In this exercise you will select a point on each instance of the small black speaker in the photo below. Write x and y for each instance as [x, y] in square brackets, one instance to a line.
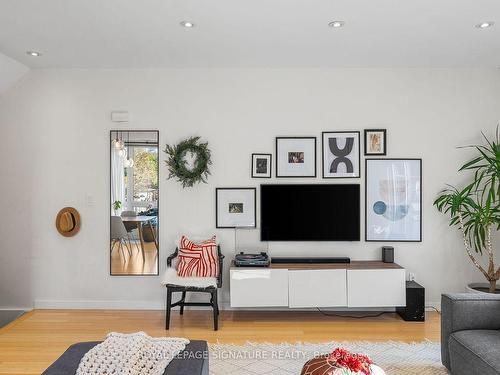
[387, 254]
[415, 303]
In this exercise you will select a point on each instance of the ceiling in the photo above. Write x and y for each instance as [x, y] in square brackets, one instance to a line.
[251, 33]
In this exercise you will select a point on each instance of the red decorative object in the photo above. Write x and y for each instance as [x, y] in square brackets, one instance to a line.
[198, 260]
[358, 363]
[340, 362]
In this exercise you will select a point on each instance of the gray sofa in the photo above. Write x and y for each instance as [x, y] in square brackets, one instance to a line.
[470, 333]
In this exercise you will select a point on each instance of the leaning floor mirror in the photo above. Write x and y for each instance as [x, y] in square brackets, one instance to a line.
[134, 205]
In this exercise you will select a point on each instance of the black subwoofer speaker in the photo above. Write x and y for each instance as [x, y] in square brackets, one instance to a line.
[415, 303]
[387, 254]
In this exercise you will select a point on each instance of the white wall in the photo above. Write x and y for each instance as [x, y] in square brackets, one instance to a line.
[54, 151]
[10, 71]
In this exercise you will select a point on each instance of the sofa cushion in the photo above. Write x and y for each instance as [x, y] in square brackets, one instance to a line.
[475, 352]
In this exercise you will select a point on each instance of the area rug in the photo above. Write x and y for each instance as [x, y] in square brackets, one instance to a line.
[396, 358]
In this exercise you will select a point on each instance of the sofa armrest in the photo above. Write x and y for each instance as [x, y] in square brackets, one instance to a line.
[465, 311]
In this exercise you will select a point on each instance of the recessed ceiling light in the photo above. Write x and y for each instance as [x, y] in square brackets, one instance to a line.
[336, 24]
[33, 53]
[484, 25]
[187, 24]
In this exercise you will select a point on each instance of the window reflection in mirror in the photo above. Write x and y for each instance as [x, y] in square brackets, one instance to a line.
[134, 221]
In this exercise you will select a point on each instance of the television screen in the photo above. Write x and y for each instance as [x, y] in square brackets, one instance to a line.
[320, 212]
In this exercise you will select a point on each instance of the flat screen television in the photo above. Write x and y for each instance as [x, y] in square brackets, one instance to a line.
[306, 212]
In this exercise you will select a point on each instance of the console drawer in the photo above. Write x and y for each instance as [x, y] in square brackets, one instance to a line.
[317, 288]
[376, 288]
[258, 287]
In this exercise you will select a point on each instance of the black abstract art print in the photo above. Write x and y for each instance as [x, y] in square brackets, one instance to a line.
[341, 154]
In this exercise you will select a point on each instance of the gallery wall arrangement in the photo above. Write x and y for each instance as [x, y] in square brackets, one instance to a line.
[393, 187]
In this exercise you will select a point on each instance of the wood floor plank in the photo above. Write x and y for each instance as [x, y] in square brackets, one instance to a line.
[32, 342]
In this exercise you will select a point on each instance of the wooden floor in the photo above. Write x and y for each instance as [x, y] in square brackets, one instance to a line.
[133, 264]
[32, 342]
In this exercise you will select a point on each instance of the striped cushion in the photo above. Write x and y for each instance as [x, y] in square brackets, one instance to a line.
[198, 260]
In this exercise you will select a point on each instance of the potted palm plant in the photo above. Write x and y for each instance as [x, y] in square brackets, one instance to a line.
[475, 209]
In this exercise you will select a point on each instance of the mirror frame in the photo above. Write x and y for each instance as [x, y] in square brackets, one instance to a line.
[111, 132]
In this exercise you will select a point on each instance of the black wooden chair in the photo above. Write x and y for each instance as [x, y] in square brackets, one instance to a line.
[171, 288]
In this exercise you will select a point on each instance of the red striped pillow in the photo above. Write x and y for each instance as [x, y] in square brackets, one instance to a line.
[198, 260]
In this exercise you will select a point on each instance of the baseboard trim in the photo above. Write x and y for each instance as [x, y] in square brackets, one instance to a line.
[99, 304]
[25, 309]
[160, 305]
[430, 306]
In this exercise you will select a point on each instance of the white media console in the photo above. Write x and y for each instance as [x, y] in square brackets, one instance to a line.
[357, 284]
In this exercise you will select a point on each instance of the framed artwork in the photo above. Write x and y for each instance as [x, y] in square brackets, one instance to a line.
[261, 165]
[375, 142]
[235, 207]
[393, 200]
[295, 156]
[341, 154]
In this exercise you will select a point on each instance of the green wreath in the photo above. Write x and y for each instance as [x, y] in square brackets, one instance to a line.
[177, 163]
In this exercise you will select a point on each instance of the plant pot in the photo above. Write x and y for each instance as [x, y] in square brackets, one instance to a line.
[481, 288]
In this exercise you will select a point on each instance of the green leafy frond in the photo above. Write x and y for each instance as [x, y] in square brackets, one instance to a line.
[478, 203]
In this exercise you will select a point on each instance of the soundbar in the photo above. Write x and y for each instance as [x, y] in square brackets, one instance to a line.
[311, 260]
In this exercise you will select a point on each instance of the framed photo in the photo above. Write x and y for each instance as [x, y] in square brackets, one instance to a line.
[235, 207]
[375, 142]
[341, 154]
[393, 200]
[261, 165]
[295, 156]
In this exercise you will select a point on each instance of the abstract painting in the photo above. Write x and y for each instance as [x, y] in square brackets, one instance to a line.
[393, 210]
[341, 155]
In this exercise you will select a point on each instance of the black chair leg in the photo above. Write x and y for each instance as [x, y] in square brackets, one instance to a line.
[182, 302]
[168, 308]
[216, 310]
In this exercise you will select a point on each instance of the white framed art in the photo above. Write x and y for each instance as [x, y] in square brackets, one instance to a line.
[393, 200]
[261, 165]
[341, 154]
[235, 207]
[375, 142]
[295, 156]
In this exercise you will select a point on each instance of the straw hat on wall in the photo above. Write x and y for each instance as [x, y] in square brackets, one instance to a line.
[68, 222]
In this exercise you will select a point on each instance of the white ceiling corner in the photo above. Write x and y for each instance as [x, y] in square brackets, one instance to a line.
[10, 72]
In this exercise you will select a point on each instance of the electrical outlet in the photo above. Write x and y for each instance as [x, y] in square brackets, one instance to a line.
[412, 276]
